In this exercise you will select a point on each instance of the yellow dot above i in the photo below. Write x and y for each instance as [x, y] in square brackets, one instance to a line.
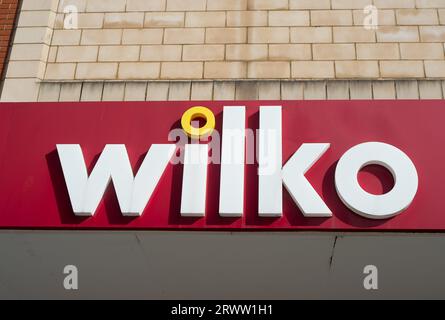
[195, 113]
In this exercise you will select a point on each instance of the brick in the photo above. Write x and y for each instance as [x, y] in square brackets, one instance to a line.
[202, 91]
[119, 53]
[422, 51]
[91, 20]
[60, 71]
[246, 90]
[106, 5]
[135, 91]
[226, 5]
[157, 91]
[331, 18]
[356, 69]
[205, 19]
[46, 51]
[385, 17]
[226, 35]
[384, 4]
[350, 4]
[224, 90]
[142, 36]
[43, 35]
[184, 36]
[313, 69]
[291, 90]
[25, 69]
[164, 19]
[186, 5]
[309, 4]
[33, 19]
[66, 37]
[401, 69]
[407, 89]
[432, 33]
[269, 35]
[182, 70]
[288, 18]
[139, 71]
[161, 53]
[101, 37]
[384, 90]
[378, 51]
[247, 18]
[49, 92]
[26, 52]
[70, 92]
[360, 90]
[314, 90]
[430, 4]
[143, 5]
[20, 90]
[77, 54]
[59, 22]
[311, 35]
[124, 20]
[96, 71]
[353, 34]
[51, 18]
[267, 4]
[397, 34]
[269, 70]
[417, 17]
[246, 52]
[79, 4]
[203, 53]
[30, 5]
[435, 69]
[179, 91]
[290, 52]
[442, 16]
[269, 90]
[333, 51]
[92, 92]
[338, 90]
[430, 90]
[113, 91]
[225, 70]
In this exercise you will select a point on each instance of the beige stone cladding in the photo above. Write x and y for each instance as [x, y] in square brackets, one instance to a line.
[200, 40]
[206, 90]
[246, 39]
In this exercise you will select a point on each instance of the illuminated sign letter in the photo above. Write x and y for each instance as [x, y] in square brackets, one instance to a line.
[133, 193]
[231, 197]
[272, 175]
[376, 206]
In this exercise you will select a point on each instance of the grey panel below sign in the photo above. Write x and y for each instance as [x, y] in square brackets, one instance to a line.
[211, 265]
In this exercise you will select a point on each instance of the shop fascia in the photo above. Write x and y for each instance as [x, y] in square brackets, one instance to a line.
[134, 191]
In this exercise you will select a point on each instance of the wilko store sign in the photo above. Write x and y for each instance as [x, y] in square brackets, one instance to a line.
[332, 165]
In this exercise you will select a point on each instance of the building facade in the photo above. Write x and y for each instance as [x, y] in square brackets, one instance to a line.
[203, 50]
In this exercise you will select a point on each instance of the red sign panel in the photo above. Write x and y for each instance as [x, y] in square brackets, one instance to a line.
[34, 193]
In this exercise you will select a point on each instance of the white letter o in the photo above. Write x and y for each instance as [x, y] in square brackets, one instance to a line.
[371, 206]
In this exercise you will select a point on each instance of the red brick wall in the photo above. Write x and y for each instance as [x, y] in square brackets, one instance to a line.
[8, 12]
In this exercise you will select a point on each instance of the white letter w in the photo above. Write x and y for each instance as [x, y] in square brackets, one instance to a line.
[133, 193]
